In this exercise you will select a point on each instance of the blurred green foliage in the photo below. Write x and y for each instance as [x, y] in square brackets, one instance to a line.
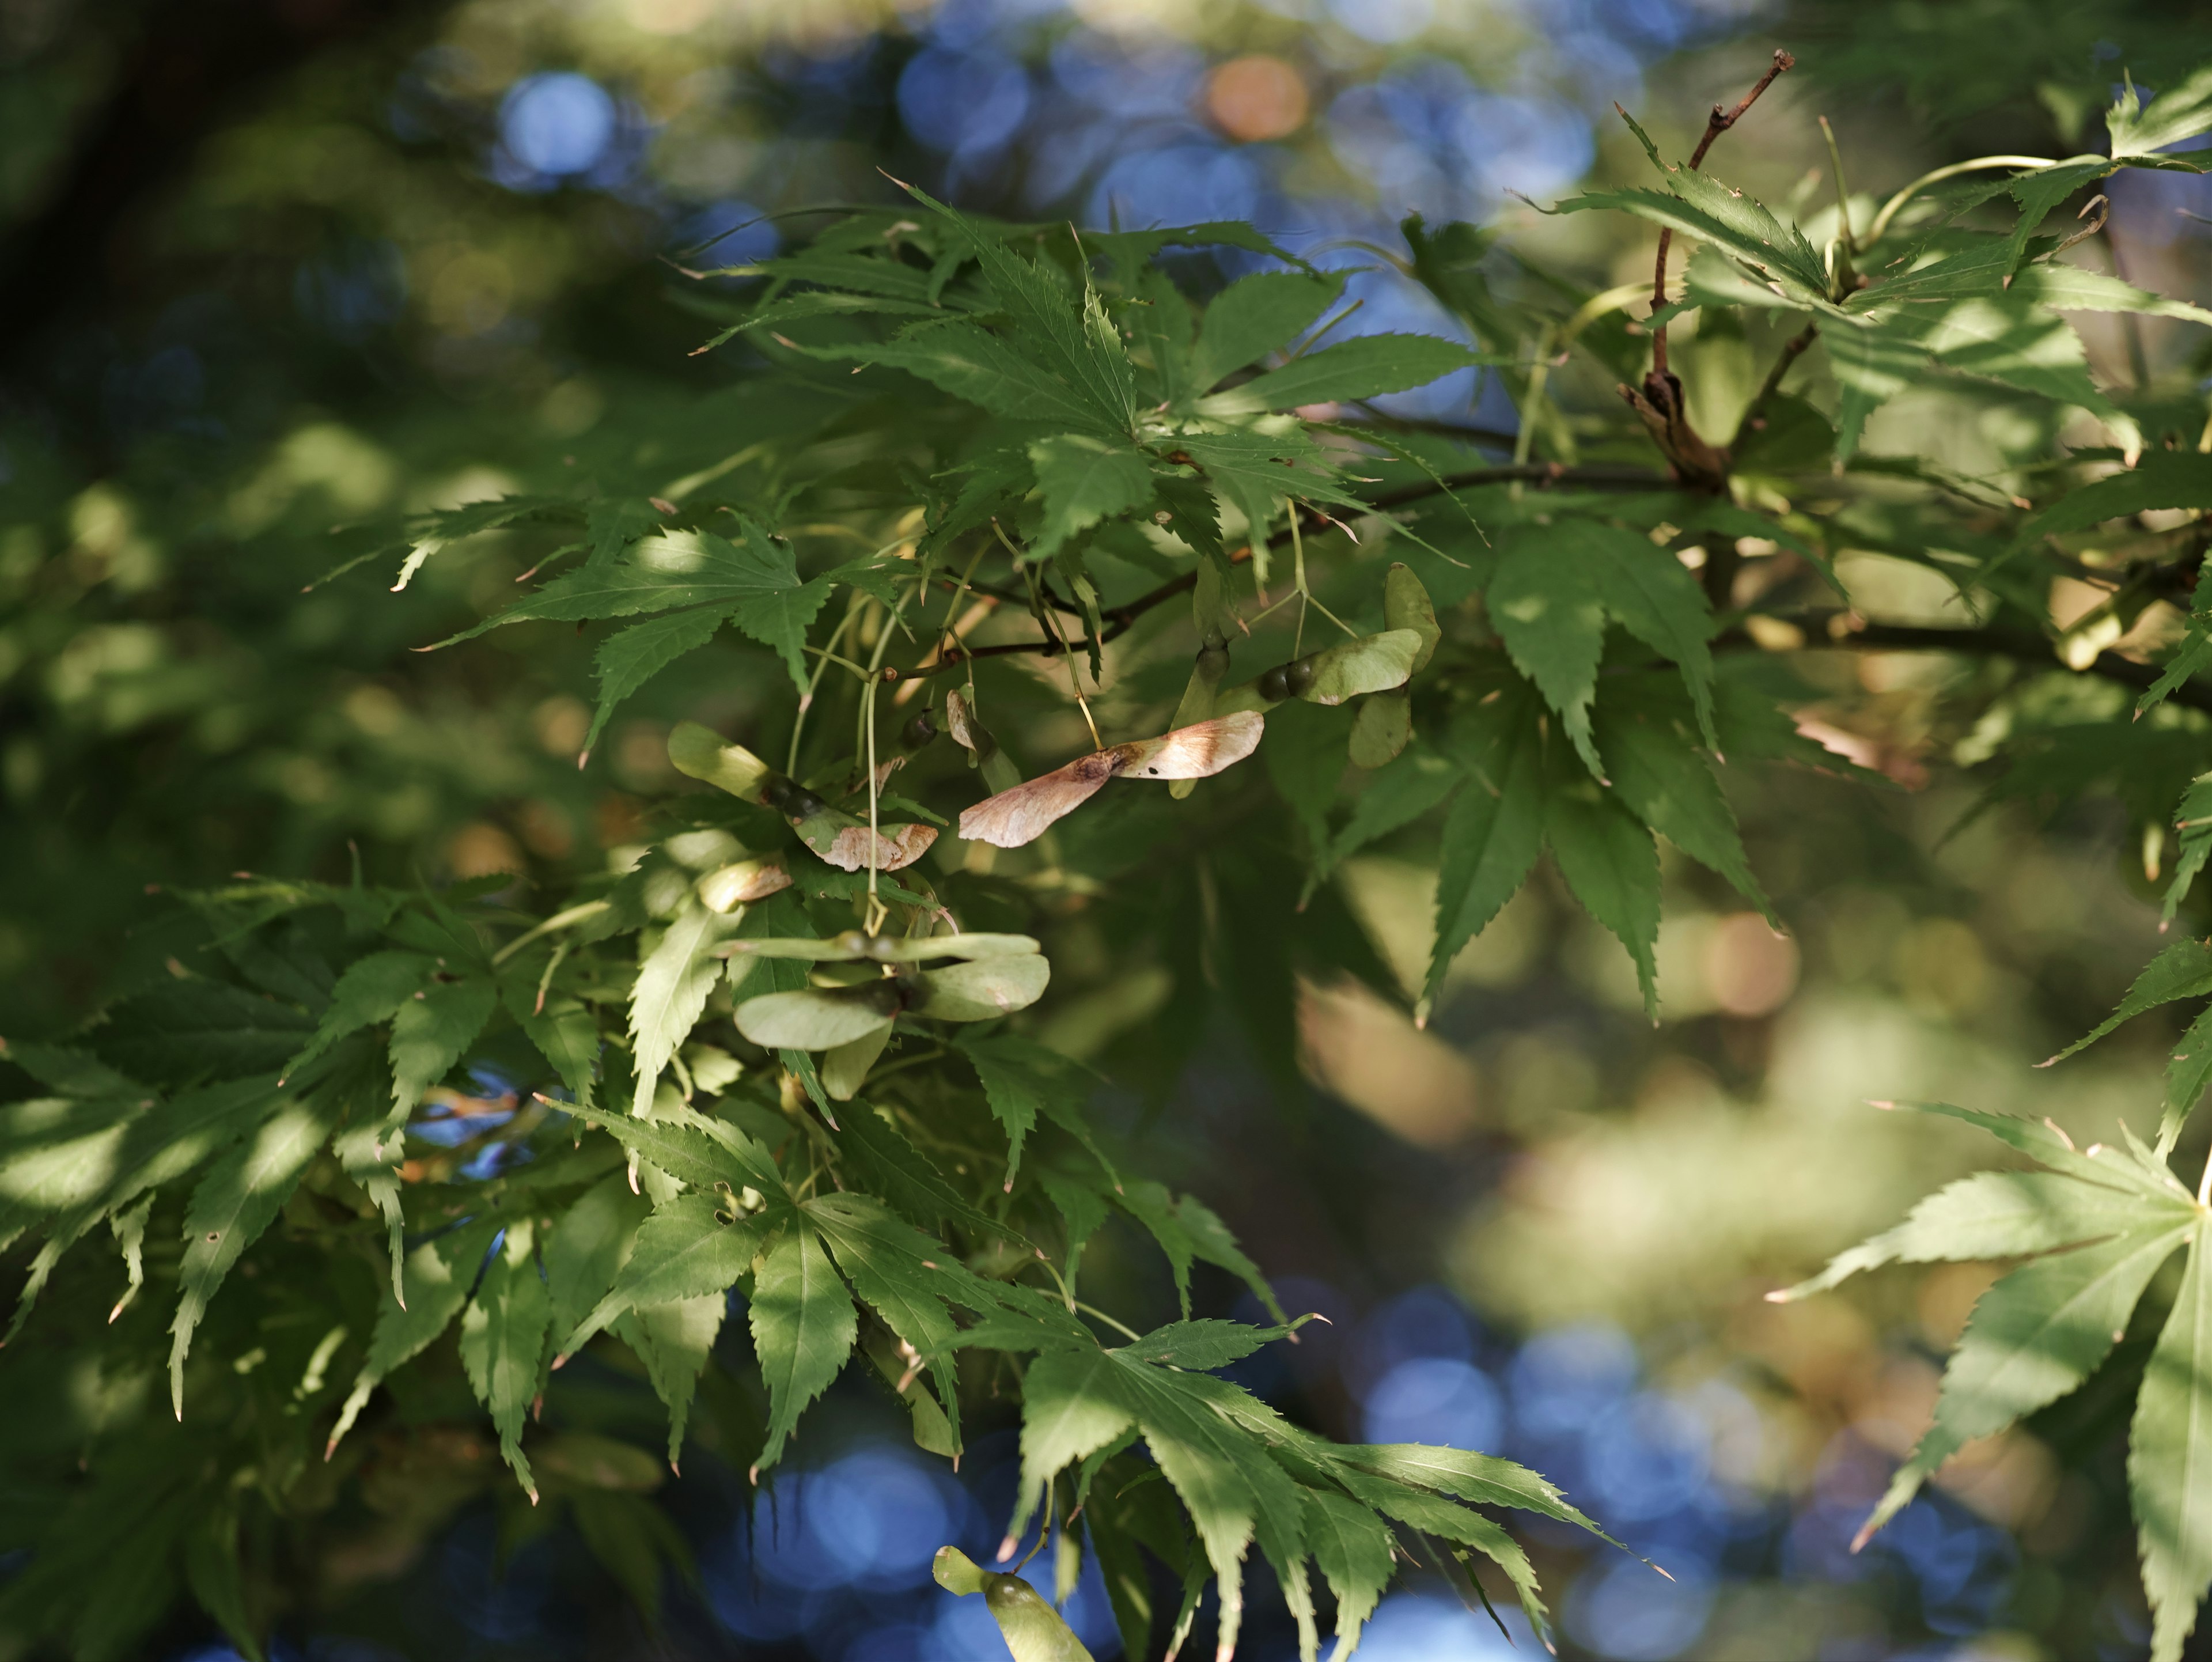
[261, 325]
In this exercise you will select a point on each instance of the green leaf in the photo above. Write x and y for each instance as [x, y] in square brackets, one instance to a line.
[612, 526]
[1151, 1205]
[971, 363]
[2182, 111]
[1653, 596]
[1084, 480]
[2182, 971]
[1736, 224]
[1753, 232]
[1671, 788]
[1352, 1548]
[671, 992]
[239, 1198]
[212, 1571]
[1200, 1345]
[1072, 1404]
[894, 1168]
[590, 1243]
[1303, 751]
[689, 1246]
[2033, 1337]
[1364, 367]
[1252, 317]
[1159, 330]
[1549, 613]
[503, 1344]
[1074, 340]
[633, 1538]
[2193, 820]
[755, 584]
[2076, 289]
[431, 1032]
[888, 1264]
[1225, 1480]
[1449, 1522]
[845, 1068]
[1495, 829]
[1994, 1214]
[2170, 1459]
[2190, 660]
[370, 990]
[1210, 1239]
[692, 1148]
[2160, 479]
[2011, 340]
[158, 1146]
[803, 1328]
[2041, 189]
[184, 1032]
[1611, 864]
[2186, 1076]
[439, 1275]
[2043, 1142]
[565, 1032]
[1483, 1479]
[1398, 795]
[675, 1340]
[630, 657]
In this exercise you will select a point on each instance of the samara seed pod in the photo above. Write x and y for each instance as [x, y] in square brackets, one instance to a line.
[741, 883]
[699, 753]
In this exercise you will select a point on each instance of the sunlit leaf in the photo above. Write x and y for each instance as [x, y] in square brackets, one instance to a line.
[803, 1328]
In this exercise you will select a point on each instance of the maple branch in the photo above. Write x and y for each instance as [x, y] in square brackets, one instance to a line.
[2022, 646]
[1717, 123]
[1118, 619]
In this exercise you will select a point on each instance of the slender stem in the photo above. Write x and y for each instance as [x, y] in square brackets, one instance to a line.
[829, 657]
[877, 1075]
[1717, 123]
[1532, 396]
[1843, 192]
[546, 981]
[876, 910]
[2131, 325]
[1332, 616]
[1045, 622]
[1979, 164]
[1093, 1310]
[1119, 618]
[814, 683]
[560, 920]
[1792, 349]
[1307, 345]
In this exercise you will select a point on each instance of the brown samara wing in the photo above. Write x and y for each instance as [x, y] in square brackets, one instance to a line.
[1198, 750]
[897, 847]
[1020, 815]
